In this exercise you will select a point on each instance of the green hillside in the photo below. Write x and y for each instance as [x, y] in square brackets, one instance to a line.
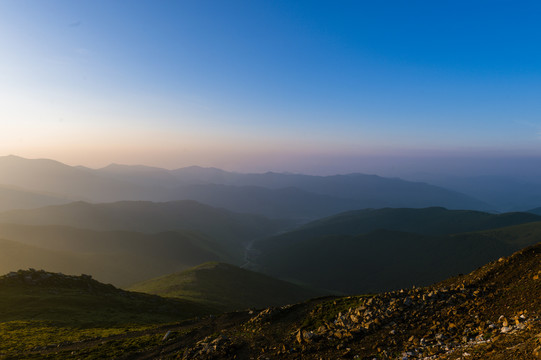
[432, 220]
[118, 257]
[384, 260]
[428, 221]
[41, 295]
[492, 313]
[227, 287]
[40, 310]
[228, 231]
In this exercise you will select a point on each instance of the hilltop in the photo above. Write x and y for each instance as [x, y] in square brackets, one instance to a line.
[69, 299]
[226, 287]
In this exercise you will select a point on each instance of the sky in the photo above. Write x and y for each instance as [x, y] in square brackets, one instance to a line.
[300, 86]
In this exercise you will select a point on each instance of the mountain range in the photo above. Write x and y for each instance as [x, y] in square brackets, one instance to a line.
[255, 265]
[503, 192]
[374, 249]
[277, 195]
[118, 257]
[228, 231]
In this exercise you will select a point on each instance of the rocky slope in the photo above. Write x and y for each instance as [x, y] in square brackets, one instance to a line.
[492, 313]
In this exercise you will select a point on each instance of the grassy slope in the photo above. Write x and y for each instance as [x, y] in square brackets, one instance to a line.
[121, 258]
[506, 287]
[429, 221]
[384, 260]
[226, 286]
[39, 295]
[450, 321]
[227, 230]
[38, 309]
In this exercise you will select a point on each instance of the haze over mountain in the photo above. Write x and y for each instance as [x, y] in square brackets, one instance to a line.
[297, 196]
[228, 231]
[275, 195]
[118, 257]
[365, 190]
[44, 175]
[16, 198]
[536, 211]
[506, 192]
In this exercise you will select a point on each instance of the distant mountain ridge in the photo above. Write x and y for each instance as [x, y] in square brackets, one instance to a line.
[369, 190]
[505, 193]
[17, 198]
[296, 196]
[427, 221]
[44, 175]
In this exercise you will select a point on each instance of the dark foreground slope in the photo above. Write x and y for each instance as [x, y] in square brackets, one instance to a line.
[492, 313]
[226, 287]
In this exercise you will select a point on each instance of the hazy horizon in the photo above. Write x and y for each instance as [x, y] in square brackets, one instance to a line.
[394, 89]
[418, 169]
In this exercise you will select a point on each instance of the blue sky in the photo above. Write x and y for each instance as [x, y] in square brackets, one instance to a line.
[269, 85]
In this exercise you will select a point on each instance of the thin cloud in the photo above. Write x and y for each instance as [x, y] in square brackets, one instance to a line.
[75, 24]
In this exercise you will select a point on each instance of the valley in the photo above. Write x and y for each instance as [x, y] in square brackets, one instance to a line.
[145, 279]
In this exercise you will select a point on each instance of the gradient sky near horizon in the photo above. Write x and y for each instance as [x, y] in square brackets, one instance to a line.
[303, 86]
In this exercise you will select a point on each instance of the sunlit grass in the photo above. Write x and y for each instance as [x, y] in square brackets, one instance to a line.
[25, 336]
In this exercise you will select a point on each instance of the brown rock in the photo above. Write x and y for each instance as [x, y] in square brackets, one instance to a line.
[299, 337]
[537, 353]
